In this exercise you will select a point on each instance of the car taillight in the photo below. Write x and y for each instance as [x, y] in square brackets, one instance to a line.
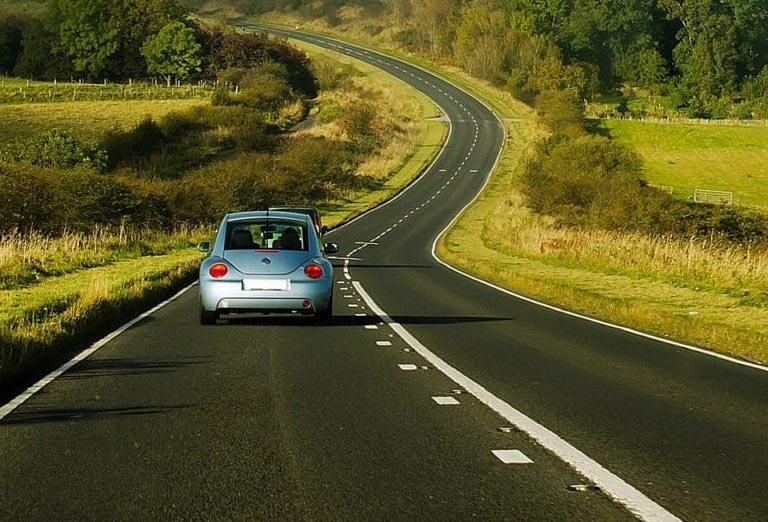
[314, 271]
[218, 270]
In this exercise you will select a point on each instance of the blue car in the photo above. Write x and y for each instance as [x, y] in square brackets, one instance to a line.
[266, 262]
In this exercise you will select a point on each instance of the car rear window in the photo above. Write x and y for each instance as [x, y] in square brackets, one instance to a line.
[268, 234]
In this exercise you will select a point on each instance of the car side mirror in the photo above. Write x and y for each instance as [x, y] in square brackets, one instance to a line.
[331, 248]
[323, 229]
[205, 246]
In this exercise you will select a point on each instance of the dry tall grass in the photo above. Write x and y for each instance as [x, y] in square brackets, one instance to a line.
[27, 258]
[695, 263]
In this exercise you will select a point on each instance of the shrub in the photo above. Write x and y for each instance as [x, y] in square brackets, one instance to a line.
[52, 201]
[56, 149]
[562, 112]
[588, 179]
[31, 199]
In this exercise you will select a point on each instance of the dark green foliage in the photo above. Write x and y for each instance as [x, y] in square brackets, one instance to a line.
[11, 30]
[38, 59]
[264, 87]
[301, 169]
[86, 33]
[318, 169]
[56, 149]
[734, 224]
[103, 37]
[248, 50]
[131, 146]
[92, 39]
[141, 20]
[584, 180]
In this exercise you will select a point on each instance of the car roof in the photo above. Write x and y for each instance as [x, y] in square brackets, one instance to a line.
[265, 214]
[304, 209]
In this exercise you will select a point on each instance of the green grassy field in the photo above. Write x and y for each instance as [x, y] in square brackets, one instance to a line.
[86, 120]
[690, 156]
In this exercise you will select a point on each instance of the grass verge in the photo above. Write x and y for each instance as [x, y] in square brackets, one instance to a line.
[45, 324]
[700, 304]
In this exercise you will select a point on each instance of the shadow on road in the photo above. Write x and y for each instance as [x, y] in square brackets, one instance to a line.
[110, 367]
[350, 320]
[45, 415]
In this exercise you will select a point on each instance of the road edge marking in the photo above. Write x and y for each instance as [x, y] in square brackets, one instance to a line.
[613, 486]
[17, 401]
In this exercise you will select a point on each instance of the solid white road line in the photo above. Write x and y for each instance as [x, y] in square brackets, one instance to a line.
[619, 490]
[42, 383]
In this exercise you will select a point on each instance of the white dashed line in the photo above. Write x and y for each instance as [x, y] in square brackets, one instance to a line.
[512, 457]
[615, 487]
[446, 401]
[408, 367]
[383, 343]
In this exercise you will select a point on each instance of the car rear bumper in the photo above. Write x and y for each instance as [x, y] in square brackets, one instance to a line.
[230, 297]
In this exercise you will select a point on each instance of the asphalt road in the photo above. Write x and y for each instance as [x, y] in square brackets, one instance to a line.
[274, 418]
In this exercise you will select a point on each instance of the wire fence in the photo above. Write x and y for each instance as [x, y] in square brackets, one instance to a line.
[23, 91]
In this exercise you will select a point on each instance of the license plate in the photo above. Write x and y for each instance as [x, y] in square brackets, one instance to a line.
[266, 284]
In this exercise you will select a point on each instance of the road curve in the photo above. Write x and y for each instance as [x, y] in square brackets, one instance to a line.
[277, 419]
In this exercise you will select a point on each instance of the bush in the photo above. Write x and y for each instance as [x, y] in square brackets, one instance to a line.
[52, 201]
[56, 149]
[586, 180]
[562, 112]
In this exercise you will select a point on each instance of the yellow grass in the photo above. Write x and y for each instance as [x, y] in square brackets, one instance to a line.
[30, 257]
[86, 120]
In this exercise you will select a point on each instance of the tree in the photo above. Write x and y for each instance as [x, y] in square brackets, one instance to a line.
[38, 59]
[140, 19]
[173, 52]
[243, 51]
[480, 40]
[11, 31]
[86, 32]
[430, 17]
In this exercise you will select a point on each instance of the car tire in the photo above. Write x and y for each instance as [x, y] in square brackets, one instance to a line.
[207, 317]
[325, 317]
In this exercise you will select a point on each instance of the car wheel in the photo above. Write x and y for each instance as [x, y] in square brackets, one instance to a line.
[207, 317]
[325, 317]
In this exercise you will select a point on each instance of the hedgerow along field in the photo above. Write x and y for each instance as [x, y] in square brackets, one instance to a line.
[704, 156]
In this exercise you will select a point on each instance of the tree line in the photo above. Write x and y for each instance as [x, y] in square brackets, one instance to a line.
[118, 40]
[709, 57]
